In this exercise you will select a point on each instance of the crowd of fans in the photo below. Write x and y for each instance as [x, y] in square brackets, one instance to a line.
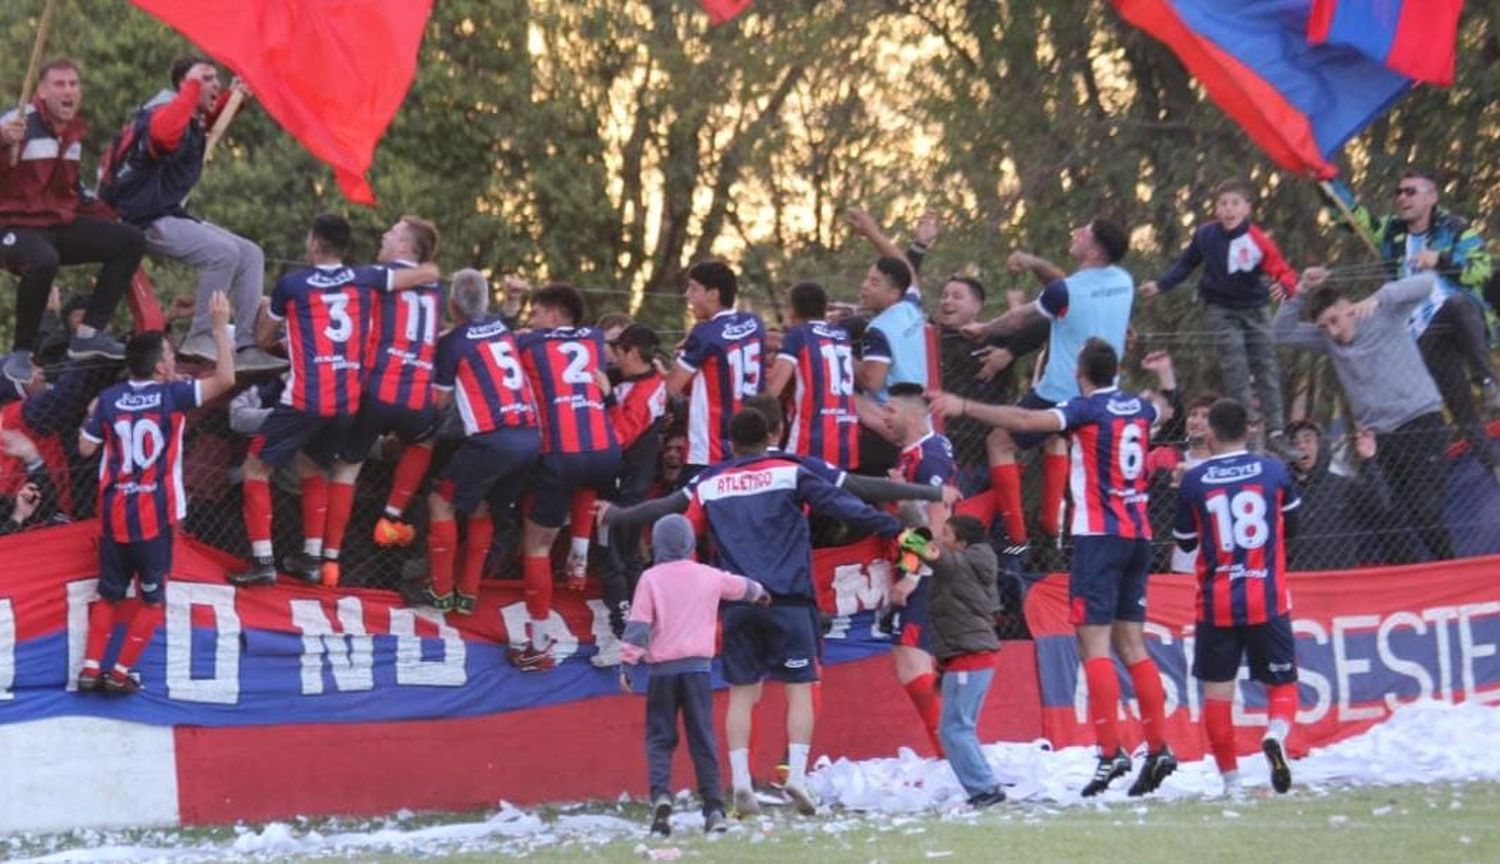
[350, 427]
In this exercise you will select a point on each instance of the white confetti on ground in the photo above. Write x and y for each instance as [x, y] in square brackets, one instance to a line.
[1426, 742]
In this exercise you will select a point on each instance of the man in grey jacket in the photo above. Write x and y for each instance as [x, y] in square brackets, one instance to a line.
[1387, 383]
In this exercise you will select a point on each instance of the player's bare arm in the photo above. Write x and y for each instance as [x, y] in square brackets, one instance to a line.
[1006, 417]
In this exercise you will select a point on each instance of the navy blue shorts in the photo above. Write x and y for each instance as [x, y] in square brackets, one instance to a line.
[1028, 440]
[1107, 580]
[495, 462]
[913, 629]
[559, 475]
[147, 560]
[376, 418]
[288, 431]
[776, 642]
[1270, 647]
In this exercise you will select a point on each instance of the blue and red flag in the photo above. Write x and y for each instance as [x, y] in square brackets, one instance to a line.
[1298, 100]
[1413, 37]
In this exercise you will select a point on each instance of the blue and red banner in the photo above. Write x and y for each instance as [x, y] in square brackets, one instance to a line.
[1413, 37]
[1367, 641]
[1299, 100]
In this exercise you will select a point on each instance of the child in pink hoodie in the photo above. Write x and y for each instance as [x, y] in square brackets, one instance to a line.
[671, 625]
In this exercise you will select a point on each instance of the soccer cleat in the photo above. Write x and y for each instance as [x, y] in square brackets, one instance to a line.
[577, 573]
[530, 658]
[780, 775]
[1281, 772]
[801, 799]
[987, 799]
[118, 683]
[714, 822]
[262, 572]
[440, 602]
[330, 571]
[89, 679]
[393, 532]
[745, 804]
[308, 568]
[463, 604]
[1158, 765]
[1106, 772]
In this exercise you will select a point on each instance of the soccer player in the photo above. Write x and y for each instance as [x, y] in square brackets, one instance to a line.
[479, 368]
[1109, 432]
[396, 398]
[926, 458]
[1242, 508]
[1093, 302]
[719, 364]
[139, 424]
[740, 503]
[327, 314]
[817, 358]
[564, 363]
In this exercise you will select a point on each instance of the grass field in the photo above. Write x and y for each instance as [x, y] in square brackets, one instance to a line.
[1440, 823]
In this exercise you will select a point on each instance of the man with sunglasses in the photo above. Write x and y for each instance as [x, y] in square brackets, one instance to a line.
[1453, 325]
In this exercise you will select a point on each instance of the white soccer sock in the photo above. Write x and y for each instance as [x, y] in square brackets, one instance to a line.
[392, 513]
[331, 554]
[739, 768]
[537, 632]
[796, 763]
[312, 546]
[261, 549]
[580, 547]
[1277, 729]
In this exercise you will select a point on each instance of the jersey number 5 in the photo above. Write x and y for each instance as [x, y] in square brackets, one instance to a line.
[505, 360]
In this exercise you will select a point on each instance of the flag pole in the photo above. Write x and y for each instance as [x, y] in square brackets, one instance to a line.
[28, 84]
[1348, 214]
[226, 116]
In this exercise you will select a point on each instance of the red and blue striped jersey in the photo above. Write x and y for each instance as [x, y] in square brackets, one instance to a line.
[1110, 430]
[562, 366]
[1233, 503]
[327, 313]
[403, 344]
[724, 355]
[140, 471]
[822, 421]
[480, 363]
[639, 403]
[928, 461]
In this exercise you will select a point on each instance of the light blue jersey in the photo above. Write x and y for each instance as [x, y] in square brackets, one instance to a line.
[1094, 302]
[897, 337]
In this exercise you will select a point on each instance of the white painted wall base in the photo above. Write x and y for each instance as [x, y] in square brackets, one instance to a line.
[77, 772]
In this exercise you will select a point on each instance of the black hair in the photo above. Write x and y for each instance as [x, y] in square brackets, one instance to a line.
[143, 352]
[333, 233]
[1098, 362]
[967, 529]
[770, 407]
[1321, 300]
[716, 276]
[1111, 238]
[640, 337]
[1206, 399]
[183, 65]
[1229, 420]
[748, 430]
[975, 286]
[895, 270]
[1296, 426]
[906, 390]
[809, 301]
[561, 296]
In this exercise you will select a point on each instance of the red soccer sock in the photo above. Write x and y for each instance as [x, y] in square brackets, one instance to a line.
[581, 514]
[442, 547]
[923, 692]
[1283, 700]
[340, 505]
[1218, 722]
[314, 506]
[1054, 482]
[138, 635]
[476, 546]
[536, 577]
[101, 627]
[410, 470]
[1006, 481]
[1152, 700]
[1104, 702]
[258, 516]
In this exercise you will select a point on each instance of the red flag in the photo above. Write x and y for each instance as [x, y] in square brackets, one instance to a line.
[331, 73]
[720, 11]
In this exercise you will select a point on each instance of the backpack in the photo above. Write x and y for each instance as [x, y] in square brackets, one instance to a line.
[115, 161]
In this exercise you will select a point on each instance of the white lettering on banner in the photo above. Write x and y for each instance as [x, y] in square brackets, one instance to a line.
[223, 686]
[564, 643]
[1396, 664]
[446, 671]
[857, 588]
[604, 635]
[1441, 615]
[350, 652]
[1468, 652]
[1316, 681]
[1346, 667]
[7, 650]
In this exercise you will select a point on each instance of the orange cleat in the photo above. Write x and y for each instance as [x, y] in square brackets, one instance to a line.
[393, 532]
[331, 574]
